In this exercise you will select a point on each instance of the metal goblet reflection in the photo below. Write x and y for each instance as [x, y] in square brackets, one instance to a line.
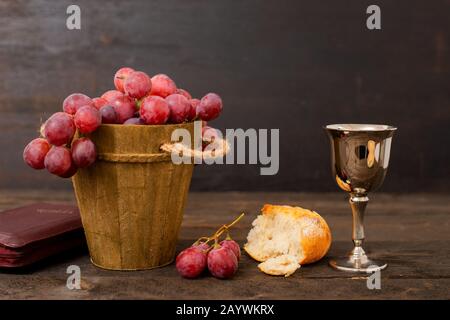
[359, 161]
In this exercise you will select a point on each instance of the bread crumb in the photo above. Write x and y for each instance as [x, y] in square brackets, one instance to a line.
[282, 265]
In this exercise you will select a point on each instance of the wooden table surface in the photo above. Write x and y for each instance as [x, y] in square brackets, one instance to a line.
[410, 232]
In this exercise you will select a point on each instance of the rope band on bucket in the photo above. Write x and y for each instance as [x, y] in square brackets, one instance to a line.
[168, 148]
[193, 153]
[134, 157]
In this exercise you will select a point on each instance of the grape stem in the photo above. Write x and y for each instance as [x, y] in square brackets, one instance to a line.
[219, 232]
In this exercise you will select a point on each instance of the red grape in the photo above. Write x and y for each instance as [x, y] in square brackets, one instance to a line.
[191, 115]
[125, 108]
[203, 246]
[59, 128]
[137, 85]
[120, 77]
[194, 103]
[154, 110]
[191, 262]
[75, 101]
[136, 121]
[99, 102]
[71, 172]
[84, 152]
[162, 85]
[35, 152]
[58, 161]
[88, 119]
[180, 108]
[184, 93]
[209, 134]
[111, 95]
[233, 246]
[108, 114]
[222, 262]
[210, 107]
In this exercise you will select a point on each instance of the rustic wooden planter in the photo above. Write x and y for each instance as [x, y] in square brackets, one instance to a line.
[132, 199]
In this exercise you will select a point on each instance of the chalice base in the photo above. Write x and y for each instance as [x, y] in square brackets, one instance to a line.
[357, 264]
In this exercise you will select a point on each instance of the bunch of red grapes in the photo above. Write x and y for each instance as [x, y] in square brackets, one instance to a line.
[221, 259]
[137, 100]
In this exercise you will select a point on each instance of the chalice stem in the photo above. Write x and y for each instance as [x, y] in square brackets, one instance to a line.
[358, 203]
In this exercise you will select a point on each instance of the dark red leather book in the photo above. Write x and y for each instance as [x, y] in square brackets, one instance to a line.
[34, 232]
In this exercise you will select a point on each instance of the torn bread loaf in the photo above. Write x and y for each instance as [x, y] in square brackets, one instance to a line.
[282, 235]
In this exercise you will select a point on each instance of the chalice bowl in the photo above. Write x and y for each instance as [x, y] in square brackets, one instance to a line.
[359, 162]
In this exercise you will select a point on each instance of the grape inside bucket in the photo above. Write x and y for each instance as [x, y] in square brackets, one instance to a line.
[130, 194]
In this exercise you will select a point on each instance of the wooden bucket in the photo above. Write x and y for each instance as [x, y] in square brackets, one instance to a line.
[132, 199]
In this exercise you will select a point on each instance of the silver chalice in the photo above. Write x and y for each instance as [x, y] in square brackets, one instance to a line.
[359, 162]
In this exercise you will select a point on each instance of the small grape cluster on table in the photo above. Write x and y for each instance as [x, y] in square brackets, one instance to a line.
[137, 100]
[221, 258]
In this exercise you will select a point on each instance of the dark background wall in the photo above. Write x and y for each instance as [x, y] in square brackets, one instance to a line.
[293, 65]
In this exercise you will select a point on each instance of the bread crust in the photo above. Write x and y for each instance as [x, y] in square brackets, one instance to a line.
[315, 237]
